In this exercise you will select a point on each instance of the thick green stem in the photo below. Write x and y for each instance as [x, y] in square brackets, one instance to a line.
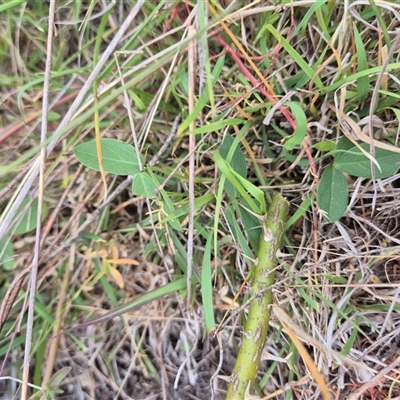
[255, 332]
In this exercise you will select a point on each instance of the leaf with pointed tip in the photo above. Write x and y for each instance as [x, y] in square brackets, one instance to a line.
[353, 162]
[119, 158]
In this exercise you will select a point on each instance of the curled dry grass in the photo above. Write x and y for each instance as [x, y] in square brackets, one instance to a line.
[337, 283]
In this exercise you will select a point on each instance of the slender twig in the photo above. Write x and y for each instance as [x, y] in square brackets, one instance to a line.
[36, 254]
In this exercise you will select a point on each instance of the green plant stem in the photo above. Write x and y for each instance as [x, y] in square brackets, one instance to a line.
[255, 332]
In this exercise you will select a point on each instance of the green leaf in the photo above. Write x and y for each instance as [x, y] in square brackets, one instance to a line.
[119, 158]
[314, 304]
[10, 4]
[336, 279]
[206, 286]
[252, 226]
[238, 232]
[237, 162]
[53, 116]
[362, 64]
[333, 194]
[218, 125]
[326, 145]
[301, 126]
[6, 254]
[91, 236]
[351, 339]
[344, 144]
[143, 185]
[351, 77]
[238, 182]
[28, 222]
[303, 24]
[355, 163]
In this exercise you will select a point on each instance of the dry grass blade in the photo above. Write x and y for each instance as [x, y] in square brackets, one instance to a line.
[37, 248]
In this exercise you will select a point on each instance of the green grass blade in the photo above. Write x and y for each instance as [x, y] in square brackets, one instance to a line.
[296, 57]
[362, 65]
[206, 286]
